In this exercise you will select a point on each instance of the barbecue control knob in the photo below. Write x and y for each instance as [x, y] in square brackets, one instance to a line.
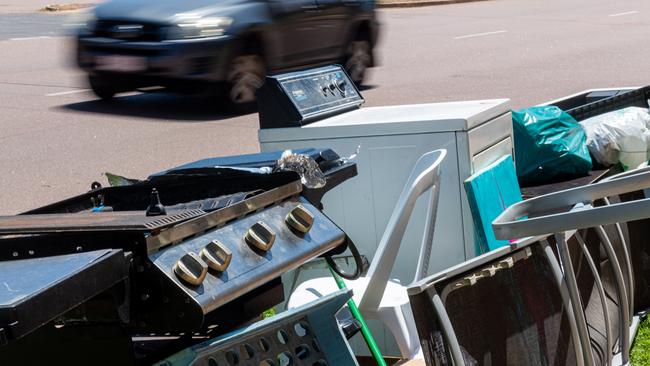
[191, 269]
[300, 219]
[216, 255]
[260, 236]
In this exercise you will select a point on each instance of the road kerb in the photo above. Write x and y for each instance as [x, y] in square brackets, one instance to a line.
[417, 3]
[65, 7]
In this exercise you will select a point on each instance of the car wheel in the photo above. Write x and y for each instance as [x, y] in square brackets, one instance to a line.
[245, 76]
[101, 87]
[358, 59]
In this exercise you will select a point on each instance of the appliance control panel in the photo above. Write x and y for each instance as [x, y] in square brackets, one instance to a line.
[297, 98]
[223, 264]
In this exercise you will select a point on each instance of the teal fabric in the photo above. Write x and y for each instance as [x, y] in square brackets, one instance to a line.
[550, 145]
[489, 192]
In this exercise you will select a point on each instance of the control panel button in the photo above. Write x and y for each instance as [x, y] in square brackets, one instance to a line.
[300, 219]
[261, 236]
[191, 269]
[216, 255]
[340, 85]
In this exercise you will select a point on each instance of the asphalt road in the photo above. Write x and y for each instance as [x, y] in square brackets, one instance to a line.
[55, 138]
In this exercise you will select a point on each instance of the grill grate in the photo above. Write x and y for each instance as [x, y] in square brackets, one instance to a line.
[173, 219]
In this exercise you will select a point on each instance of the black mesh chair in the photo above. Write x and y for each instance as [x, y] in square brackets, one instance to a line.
[507, 307]
[567, 214]
[566, 303]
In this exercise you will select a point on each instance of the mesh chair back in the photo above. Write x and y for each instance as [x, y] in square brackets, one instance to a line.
[560, 212]
[503, 308]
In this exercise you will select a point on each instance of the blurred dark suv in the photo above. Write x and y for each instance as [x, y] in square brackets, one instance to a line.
[225, 46]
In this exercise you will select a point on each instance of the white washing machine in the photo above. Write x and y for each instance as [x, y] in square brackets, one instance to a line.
[389, 141]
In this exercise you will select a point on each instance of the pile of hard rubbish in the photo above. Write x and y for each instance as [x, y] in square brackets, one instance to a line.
[242, 260]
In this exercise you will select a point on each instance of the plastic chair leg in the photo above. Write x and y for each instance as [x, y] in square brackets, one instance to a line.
[401, 324]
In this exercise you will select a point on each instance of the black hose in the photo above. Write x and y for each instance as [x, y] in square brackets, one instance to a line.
[360, 264]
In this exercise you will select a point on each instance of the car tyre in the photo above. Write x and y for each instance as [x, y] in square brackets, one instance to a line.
[358, 59]
[101, 87]
[245, 76]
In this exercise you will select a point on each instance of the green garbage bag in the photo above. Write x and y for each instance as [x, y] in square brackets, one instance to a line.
[550, 146]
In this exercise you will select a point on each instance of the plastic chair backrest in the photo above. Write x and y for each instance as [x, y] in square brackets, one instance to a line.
[424, 176]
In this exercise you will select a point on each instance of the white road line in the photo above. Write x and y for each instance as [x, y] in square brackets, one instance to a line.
[625, 13]
[480, 34]
[28, 38]
[67, 92]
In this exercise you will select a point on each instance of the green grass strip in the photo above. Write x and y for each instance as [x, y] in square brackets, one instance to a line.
[640, 354]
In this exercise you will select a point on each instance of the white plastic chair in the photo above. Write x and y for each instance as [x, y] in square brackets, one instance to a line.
[377, 296]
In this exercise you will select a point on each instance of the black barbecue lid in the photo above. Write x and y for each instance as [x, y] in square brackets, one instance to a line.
[35, 291]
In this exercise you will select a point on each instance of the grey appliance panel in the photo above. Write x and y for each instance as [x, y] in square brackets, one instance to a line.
[249, 268]
[485, 135]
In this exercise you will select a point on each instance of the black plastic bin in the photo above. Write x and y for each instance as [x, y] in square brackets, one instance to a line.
[598, 102]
